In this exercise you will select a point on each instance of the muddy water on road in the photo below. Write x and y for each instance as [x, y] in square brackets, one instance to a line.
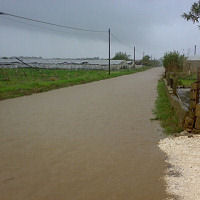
[88, 142]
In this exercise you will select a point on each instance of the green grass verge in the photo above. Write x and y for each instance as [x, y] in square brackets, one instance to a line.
[164, 111]
[26, 81]
[187, 81]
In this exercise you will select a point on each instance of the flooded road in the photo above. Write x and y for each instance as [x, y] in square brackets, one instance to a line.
[88, 142]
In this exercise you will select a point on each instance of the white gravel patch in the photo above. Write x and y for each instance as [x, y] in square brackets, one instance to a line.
[183, 173]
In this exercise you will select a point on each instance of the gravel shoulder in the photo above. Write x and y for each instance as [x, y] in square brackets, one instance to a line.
[183, 173]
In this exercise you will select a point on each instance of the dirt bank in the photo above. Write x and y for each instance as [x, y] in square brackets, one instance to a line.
[183, 174]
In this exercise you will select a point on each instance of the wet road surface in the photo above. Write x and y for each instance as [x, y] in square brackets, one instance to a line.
[88, 142]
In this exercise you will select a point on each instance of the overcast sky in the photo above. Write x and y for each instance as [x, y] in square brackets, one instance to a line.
[154, 26]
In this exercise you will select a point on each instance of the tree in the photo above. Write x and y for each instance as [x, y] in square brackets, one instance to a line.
[194, 13]
[156, 63]
[146, 60]
[121, 56]
[173, 61]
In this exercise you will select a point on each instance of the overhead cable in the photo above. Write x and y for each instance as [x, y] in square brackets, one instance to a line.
[120, 41]
[53, 24]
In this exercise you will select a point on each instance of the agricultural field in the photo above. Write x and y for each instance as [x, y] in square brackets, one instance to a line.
[16, 82]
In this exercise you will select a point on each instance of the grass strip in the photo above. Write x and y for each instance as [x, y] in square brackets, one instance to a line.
[26, 81]
[165, 112]
[187, 81]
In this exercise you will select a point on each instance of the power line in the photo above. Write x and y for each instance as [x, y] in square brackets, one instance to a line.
[64, 26]
[116, 38]
[53, 24]
[49, 29]
[120, 41]
[69, 27]
[36, 25]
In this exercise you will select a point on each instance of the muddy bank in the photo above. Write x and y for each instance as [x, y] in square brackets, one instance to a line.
[183, 173]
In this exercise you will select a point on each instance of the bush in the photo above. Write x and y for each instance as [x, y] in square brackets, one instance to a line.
[146, 60]
[121, 56]
[173, 61]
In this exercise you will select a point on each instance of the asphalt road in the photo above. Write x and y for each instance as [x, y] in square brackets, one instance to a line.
[87, 142]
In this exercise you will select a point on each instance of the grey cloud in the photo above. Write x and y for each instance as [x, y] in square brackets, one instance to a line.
[154, 26]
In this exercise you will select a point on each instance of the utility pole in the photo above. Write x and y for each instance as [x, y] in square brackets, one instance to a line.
[143, 54]
[183, 52]
[134, 57]
[109, 50]
[195, 49]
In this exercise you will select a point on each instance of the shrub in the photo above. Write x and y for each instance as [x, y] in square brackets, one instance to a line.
[121, 56]
[173, 61]
[146, 60]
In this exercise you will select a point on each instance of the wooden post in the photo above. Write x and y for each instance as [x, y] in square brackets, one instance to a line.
[198, 84]
[134, 56]
[109, 49]
[197, 107]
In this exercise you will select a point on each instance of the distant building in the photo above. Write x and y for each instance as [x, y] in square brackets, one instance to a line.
[71, 64]
[192, 64]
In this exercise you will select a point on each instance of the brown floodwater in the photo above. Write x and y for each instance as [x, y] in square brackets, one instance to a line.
[88, 142]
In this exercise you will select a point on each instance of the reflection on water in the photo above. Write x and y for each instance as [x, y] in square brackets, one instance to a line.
[184, 95]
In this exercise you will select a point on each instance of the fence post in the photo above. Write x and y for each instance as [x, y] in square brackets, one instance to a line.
[198, 84]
